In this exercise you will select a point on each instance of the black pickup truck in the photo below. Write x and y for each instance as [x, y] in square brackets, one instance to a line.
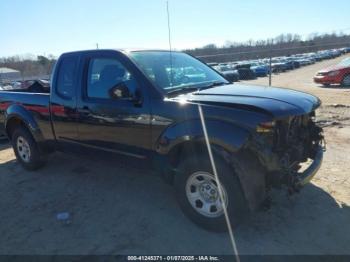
[222, 146]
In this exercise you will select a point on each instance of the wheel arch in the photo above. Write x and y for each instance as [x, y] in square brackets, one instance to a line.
[228, 143]
[227, 135]
[189, 136]
[17, 115]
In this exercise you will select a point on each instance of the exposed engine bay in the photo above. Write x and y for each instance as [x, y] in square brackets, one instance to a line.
[293, 142]
[296, 139]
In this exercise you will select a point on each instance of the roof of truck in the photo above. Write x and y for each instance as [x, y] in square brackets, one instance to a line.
[128, 50]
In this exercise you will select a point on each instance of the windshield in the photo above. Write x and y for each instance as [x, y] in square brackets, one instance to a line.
[169, 71]
[345, 62]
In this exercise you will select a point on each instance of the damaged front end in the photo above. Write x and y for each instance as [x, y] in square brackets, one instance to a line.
[291, 150]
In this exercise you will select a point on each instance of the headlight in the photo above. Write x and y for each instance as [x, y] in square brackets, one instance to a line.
[333, 73]
[266, 127]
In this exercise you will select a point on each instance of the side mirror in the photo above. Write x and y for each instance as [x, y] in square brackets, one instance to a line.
[120, 91]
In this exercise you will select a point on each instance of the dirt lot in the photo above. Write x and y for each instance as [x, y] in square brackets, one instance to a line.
[302, 79]
[118, 209]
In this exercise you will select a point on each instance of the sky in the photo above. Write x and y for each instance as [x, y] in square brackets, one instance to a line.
[43, 27]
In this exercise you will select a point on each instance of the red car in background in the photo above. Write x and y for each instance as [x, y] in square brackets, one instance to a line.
[338, 74]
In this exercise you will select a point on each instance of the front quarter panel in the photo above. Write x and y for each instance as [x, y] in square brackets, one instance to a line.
[174, 122]
[223, 134]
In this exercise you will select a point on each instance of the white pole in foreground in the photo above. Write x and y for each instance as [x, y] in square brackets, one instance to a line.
[170, 47]
[169, 31]
[234, 246]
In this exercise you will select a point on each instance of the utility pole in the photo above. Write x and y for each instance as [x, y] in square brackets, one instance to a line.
[270, 64]
[270, 70]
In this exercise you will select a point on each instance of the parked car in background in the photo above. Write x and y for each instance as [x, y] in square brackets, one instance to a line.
[326, 54]
[227, 72]
[303, 61]
[311, 58]
[289, 64]
[250, 69]
[259, 68]
[337, 74]
[335, 52]
[244, 71]
[293, 61]
[278, 66]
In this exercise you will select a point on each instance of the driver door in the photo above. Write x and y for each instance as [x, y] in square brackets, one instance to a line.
[108, 123]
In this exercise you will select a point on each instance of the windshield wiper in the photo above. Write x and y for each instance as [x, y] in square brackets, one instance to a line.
[213, 84]
[193, 88]
[182, 90]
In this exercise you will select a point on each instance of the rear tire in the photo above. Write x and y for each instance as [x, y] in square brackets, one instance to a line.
[26, 149]
[197, 210]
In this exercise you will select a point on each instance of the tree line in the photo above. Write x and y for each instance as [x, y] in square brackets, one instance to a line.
[30, 66]
[281, 45]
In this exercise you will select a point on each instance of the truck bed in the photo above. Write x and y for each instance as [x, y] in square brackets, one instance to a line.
[38, 104]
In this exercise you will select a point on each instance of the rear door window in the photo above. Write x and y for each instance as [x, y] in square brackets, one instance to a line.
[66, 77]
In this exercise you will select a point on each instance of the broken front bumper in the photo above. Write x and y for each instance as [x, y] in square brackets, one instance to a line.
[307, 175]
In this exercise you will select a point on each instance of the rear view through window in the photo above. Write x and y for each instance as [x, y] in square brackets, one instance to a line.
[104, 74]
[65, 82]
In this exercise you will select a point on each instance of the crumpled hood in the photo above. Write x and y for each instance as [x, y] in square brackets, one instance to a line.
[277, 102]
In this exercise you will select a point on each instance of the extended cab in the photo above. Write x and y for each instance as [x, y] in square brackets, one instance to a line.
[223, 146]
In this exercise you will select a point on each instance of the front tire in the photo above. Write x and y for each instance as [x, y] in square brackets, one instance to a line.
[26, 149]
[198, 196]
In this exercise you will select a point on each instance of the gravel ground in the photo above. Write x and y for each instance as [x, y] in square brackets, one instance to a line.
[118, 209]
